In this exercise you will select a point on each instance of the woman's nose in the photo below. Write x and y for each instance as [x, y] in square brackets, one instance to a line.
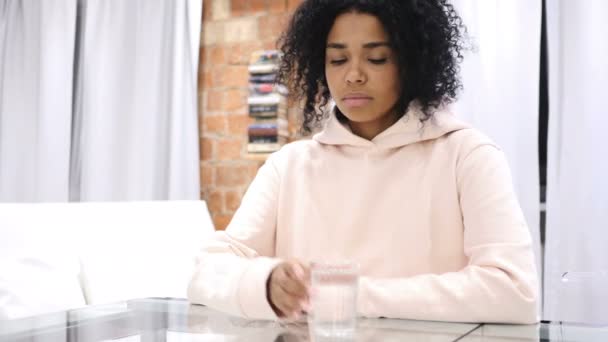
[355, 75]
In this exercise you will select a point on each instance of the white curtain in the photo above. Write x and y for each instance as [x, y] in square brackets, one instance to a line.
[501, 89]
[577, 197]
[99, 100]
[135, 116]
[36, 63]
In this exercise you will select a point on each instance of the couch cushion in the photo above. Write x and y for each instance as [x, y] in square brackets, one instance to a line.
[57, 256]
[139, 249]
[39, 267]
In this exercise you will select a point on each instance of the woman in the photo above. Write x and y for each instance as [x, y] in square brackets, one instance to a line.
[420, 200]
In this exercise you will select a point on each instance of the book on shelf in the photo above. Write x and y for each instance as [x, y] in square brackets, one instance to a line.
[261, 110]
[268, 99]
[255, 69]
[267, 106]
[266, 89]
[263, 78]
[273, 127]
[263, 147]
[267, 103]
[264, 62]
[268, 139]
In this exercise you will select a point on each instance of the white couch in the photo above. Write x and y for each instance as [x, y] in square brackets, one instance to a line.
[57, 256]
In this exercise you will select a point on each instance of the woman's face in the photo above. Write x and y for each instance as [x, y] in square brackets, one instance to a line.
[361, 70]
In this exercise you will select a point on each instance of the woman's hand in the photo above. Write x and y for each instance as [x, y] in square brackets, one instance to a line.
[288, 289]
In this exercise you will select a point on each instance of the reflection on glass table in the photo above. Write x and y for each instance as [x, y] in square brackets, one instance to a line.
[158, 319]
[561, 332]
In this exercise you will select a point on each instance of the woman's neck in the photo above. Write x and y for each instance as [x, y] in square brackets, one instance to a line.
[370, 129]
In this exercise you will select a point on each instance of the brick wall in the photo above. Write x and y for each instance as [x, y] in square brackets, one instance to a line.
[232, 30]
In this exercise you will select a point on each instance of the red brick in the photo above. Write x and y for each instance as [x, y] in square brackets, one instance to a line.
[214, 124]
[201, 80]
[207, 80]
[201, 57]
[237, 124]
[207, 188]
[276, 6]
[270, 45]
[207, 176]
[229, 149]
[207, 12]
[234, 55]
[239, 7]
[201, 64]
[217, 56]
[256, 6]
[215, 100]
[270, 27]
[292, 5]
[200, 117]
[241, 53]
[215, 202]
[252, 170]
[235, 99]
[201, 111]
[233, 200]
[233, 175]
[217, 75]
[221, 221]
[234, 76]
[206, 149]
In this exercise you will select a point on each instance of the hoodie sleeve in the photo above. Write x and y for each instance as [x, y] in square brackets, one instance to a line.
[499, 284]
[232, 269]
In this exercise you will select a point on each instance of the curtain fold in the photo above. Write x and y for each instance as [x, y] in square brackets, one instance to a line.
[98, 100]
[576, 262]
[36, 68]
[137, 111]
[500, 78]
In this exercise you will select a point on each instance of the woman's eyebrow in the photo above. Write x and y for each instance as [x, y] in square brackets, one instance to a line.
[370, 45]
[375, 45]
[336, 46]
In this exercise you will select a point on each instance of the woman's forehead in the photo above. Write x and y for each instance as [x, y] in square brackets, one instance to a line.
[357, 29]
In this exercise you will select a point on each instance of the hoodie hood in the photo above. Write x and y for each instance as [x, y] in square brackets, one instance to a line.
[407, 130]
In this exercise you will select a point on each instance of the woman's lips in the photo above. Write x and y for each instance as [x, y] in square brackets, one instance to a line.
[356, 101]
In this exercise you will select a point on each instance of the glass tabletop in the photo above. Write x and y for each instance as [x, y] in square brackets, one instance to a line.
[543, 332]
[165, 319]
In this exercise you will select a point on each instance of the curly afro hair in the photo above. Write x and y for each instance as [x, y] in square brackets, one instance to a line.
[426, 35]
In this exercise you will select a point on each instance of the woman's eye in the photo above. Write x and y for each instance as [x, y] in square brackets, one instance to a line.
[377, 61]
[337, 61]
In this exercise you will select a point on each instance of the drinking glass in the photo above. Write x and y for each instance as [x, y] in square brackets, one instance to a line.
[333, 302]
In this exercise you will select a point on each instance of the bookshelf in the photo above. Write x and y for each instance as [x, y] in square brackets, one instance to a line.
[267, 104]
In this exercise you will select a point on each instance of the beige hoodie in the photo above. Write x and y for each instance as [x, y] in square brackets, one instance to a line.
[428, 211]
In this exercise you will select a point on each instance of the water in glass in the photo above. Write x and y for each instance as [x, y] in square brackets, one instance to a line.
[334, 299]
